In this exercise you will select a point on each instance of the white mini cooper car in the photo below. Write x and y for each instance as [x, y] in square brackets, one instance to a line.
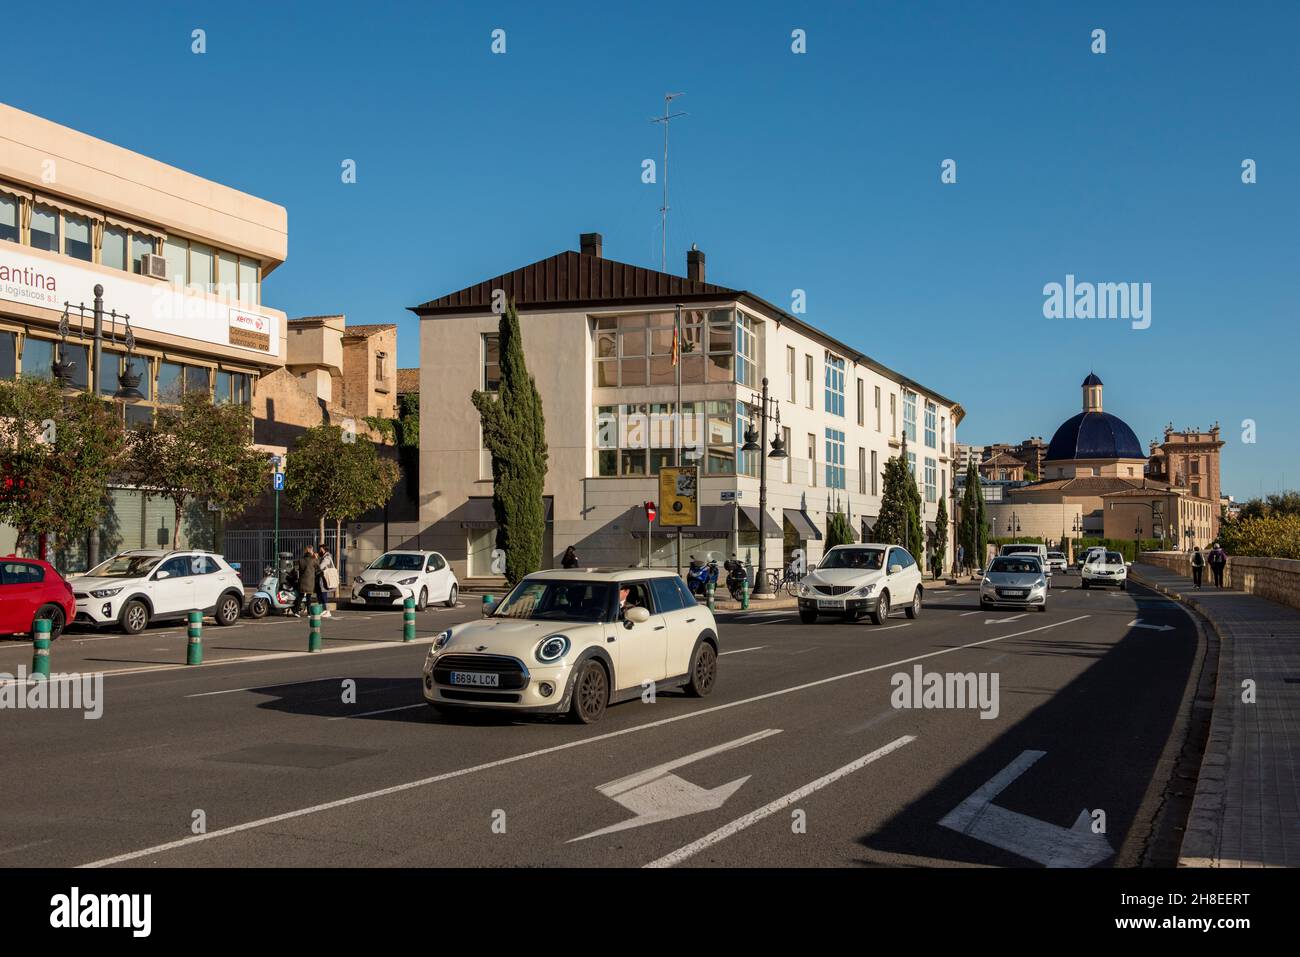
[572, 642]
[394, 577]
[855, 580]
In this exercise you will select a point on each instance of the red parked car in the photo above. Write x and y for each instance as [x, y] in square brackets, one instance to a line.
[32, 589]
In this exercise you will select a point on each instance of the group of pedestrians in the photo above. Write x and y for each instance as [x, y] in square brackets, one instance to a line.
[318, 576]
[1217, 559]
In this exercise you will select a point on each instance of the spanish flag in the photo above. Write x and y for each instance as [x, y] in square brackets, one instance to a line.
[677, 346]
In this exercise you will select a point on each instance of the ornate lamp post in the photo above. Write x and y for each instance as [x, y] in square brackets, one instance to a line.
[756, 441]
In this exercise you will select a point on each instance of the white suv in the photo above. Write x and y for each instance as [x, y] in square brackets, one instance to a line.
[855, 580]
[1105, 568]
[150, 584]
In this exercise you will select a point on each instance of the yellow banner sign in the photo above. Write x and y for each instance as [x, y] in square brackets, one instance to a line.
[679, 498]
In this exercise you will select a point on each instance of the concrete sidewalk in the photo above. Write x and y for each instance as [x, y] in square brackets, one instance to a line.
[1246, 812]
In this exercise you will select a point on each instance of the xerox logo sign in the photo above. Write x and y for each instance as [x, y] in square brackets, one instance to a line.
[76, 910]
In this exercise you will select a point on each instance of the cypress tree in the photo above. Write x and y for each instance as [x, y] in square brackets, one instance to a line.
[940, 534]
[514, 432]
[837, 531]
[900, 504]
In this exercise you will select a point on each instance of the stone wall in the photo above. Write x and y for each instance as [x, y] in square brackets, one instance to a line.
[1277, 579]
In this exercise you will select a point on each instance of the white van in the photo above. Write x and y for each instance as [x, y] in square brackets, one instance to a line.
[1029, 548]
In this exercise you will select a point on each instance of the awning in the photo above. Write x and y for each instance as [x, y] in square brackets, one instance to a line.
[477, 512]
[715, 522]
[803, 526]
[770, 528]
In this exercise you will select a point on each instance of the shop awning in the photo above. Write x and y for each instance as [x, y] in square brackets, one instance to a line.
[477, 512]
[770, 528]
[803, 526]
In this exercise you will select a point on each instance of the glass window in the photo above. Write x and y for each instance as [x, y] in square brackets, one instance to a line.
[931, 412]
[719, 368]
[606, 345]
[45, 229]
[861, 410]
[808, 379]
[79, 356]
[877, 408]
[76, 237]
[221, 392]
[607, 462]
[931, 469]
[667, 597]
[632, 461]
[112, 251]
[834, 385]
[241, 387]
[108, 375]
[227, 275]
[834, 458]
[909, 416]
[607, 373]
[201, 262]
[176, 251]
[170, 385]
[789, 372]
[491, 381]
[141, 245]
[248, 280]
[8, 217]
[633, 371]
[196, 379]
[746, 350]
[875, 473]
[38, 356]
[721, 461]
[8, 355]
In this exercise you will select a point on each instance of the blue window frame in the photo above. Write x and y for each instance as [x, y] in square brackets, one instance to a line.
[835, 459]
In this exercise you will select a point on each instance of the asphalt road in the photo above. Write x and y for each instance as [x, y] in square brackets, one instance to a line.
[799, 757]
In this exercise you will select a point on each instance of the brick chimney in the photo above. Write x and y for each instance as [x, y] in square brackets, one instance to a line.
[695, 264]
[590, 244]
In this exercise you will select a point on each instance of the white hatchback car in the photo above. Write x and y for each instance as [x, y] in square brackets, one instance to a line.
[573, 642]
[148, 584]
[1105, 568]
[396, 576]
[855, 580]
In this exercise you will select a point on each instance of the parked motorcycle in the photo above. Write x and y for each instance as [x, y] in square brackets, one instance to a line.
[737, 575]
[277, 591]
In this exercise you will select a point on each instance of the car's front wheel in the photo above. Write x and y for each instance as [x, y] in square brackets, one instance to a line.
[704, 671]
[590, 694]
[422, 602]
[451, 597]
[1085, 584]
[914, 609]
[227, 610]
[135, 617]
[882, 609]
[54, 615]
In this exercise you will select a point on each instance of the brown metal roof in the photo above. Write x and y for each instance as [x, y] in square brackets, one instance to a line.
[574, 279]
[408, 381]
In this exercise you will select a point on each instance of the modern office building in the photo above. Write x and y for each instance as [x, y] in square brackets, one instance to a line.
[598, 337]
[180, 258]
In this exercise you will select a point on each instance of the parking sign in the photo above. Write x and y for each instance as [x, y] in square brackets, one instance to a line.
[277, 481]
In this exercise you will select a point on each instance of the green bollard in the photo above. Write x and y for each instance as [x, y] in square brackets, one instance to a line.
[41, 649]
[408, 620]
[195, 654]
[313, 636]
[744, 593]
[709, 589]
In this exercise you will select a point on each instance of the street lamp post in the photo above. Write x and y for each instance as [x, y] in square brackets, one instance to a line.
[756, 441]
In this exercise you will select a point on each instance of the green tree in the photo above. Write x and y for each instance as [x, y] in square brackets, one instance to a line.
[64, 451]
[900, 508]
[338, 475]
[514, 432]
[973, 527]
[838, 531]
[940, 534]
[403, 432]
[199, 451]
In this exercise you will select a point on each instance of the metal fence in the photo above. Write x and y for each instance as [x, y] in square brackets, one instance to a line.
[254, 549]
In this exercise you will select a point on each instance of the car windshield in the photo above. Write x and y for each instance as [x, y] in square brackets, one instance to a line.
[557, 601]
[396, 562]
[1055, 555]
[1114, 558]
[1013, 566]
[125, 566]
[868, 559]
[1019, 549]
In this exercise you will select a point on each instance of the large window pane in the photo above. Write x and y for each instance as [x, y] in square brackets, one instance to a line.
[606, 345]
[38, 356]
[169, 382]
[113, 249]
[140, 246]
[8, 218]
[45, 229]
[196, 379]
[8, 355]
[633, 371]
[76, 237]
[607, 373]
[633, 461]
[221, 394]
[720, 368]
[108, 376]
[662, 371]
[692, 370]
[248, 279]
[175, 251]
[201, 262]
[634, 343]
[607, 462]
[140, 366]
[228, 275]
[138, 416]
[79, 356]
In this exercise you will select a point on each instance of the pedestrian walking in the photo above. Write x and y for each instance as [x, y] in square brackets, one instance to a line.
[1218, 561]
[327, 578]
[961, 557]
[307, 572]
[570, 559]
[1198, 566]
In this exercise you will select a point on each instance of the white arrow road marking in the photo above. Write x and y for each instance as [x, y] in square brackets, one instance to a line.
[767, 810]
[1136, 623]
[1028, 837]
[1002, 621]
[656, 795]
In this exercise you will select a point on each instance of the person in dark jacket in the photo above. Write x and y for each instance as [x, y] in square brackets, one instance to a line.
[1218, 561]
[308, 569]
[570, 559]
[1198, 566]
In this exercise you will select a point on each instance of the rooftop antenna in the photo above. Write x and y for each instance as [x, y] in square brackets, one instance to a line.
[663, 210]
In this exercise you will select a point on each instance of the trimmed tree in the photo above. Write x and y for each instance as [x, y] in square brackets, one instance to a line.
[199, 450]
[972, 518]
[56, 457]
[838, 531]
[337, 479]
[940, 534]
[514, 432]
[900, 508]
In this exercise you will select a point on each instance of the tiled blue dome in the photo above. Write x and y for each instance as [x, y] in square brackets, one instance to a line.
[1095, 435]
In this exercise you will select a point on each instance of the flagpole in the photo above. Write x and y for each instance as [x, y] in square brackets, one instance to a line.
[677, 445]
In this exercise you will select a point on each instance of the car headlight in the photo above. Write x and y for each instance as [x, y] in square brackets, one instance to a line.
[805, 589]
[409, 581]
[106, 592]
[864, 590]
[441, 641]
[1040, 583]
[358, 580]
[552, 648]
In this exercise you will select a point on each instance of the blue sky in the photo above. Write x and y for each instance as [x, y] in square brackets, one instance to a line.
[817, 171]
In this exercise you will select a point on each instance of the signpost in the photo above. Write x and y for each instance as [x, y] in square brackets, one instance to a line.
[679, 487]
[277, 483]
[650, 512]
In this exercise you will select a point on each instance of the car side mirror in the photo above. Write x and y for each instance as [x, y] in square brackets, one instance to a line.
[161, 575]
[893, 569]
[636, 616]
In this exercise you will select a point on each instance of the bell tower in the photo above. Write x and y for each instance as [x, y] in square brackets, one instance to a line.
[1092, 393]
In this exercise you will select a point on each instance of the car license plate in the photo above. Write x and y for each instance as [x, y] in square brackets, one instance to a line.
[475, 678]
[1014, 594]
[830, 602]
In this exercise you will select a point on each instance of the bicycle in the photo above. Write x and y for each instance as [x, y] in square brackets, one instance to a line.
[779, 579]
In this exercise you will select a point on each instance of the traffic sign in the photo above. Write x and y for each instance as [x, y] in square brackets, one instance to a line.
[277, 481]
[650, 511]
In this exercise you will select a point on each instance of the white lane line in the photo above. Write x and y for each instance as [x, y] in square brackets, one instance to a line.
[738, 651]
[365, 714]
[904, 624]
[965, 613]
[767, 810]
[279, 684]
[553, 749]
